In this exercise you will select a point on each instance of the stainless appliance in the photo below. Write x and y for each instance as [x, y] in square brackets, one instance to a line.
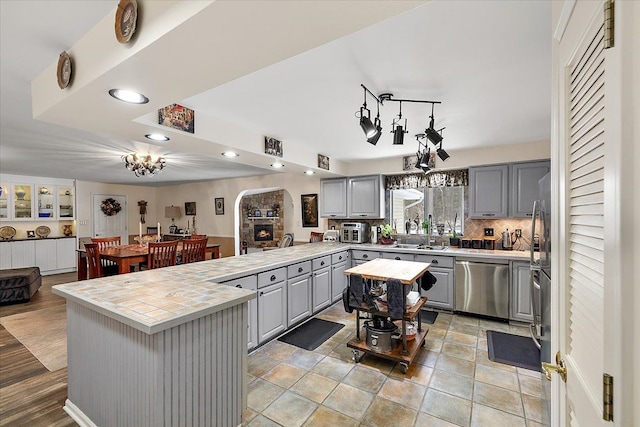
[507, 243]
[540, 283]
[482, 287]
[355, 232]
[379, 335]
[331, 236]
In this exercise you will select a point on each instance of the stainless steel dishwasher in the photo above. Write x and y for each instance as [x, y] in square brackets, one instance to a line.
[482, 287]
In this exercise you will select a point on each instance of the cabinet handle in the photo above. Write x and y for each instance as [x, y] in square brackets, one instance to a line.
[365, 256]
[273, 277]
[261, 293]
[299, 269]
[321, 263]
[238, 286]
[434, 261]
[488, 214]
[332, 215]
[397, 258]
[362, 215]
[340, 258]
[529, 214]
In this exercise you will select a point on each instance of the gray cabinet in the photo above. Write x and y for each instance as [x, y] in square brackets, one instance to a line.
[251, 283]
[321, 283]
[339, 263]
[333, 198]
[441, 295]
[520, 306]
[489, 191]
[364, 197]
[524, 186]
[299, 294]
[272, 311]
[397, 256]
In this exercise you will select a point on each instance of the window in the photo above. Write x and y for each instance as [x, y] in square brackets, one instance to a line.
[409, 207]
[407, 210]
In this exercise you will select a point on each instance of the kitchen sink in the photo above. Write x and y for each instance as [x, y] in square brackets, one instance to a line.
[416, 246]
[406, 246]
[433, 248]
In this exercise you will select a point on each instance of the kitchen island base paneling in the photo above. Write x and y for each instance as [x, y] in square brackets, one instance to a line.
[190, 374]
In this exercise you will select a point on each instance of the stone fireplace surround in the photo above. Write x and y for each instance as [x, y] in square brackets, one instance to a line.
[263, 202]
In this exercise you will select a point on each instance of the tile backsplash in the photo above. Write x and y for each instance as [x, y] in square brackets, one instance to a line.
[474, 229]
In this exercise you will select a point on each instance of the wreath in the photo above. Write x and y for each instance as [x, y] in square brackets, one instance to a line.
[110, 207]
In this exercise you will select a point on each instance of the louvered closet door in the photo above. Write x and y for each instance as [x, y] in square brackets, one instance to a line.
[585, 145]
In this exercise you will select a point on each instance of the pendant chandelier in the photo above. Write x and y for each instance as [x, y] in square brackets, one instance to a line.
[373, 130]
[143, 165]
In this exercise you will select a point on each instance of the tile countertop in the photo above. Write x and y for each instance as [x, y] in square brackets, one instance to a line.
[155, 300]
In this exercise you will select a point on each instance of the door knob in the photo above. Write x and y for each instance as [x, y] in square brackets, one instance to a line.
[559, 367]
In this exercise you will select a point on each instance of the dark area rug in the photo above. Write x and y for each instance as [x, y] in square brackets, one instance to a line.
[312, 334]
[514, 350]
[428, 316]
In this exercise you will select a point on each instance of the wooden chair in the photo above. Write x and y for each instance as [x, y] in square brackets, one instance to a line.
[93, 258]
[109, 268]
[162, 254]
[199, 236]
[193, 250]
[316, 237]
[152, 230]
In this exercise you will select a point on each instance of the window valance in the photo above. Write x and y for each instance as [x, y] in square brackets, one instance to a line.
[451, 178]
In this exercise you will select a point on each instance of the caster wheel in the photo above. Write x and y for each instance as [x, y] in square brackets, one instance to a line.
[356, 357]
[423, 344]
[404, 367]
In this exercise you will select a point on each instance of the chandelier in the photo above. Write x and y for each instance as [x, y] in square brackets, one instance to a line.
[143, 165]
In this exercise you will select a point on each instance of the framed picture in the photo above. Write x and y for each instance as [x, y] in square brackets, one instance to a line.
[178, 117]
[219, 205]
[270, 214]
[309, 210]
[323, 162]
[189, 208]
[257, 213]
[272, 146]
[31, 233]
[409, 162]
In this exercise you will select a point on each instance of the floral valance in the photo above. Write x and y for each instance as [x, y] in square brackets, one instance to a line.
[451, 178]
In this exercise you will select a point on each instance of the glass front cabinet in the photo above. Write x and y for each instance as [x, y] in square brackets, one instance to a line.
[5, 209]
[21, 201]
[46, 195]
[66, 202]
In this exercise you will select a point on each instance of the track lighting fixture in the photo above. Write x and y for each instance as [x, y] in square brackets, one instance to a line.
[399, 131]
[431, 133]
[441, 153]
[376, 124]
[423, 156]
[365, 119]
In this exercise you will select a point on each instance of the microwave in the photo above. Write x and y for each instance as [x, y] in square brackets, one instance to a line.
[355, 232]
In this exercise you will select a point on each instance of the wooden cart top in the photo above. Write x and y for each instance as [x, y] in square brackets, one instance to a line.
[383, 269]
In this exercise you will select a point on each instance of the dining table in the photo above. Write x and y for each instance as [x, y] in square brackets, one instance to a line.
[124, 256]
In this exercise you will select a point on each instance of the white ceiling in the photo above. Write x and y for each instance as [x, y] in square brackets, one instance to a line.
[488, 62]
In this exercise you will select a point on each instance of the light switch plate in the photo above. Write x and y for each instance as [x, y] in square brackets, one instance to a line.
[488, 231]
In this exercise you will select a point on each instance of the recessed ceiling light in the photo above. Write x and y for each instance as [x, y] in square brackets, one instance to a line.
[230, 154]
[277, 165]
[157, 137]
[128, 96]
[309, 172]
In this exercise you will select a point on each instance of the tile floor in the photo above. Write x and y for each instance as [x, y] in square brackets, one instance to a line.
[451, 382]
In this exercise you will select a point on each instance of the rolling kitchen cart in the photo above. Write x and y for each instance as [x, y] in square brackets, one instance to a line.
[407, 272]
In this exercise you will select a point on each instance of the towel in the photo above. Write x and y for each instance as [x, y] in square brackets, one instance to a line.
[395, 298]
[356, 290]
[427, 281]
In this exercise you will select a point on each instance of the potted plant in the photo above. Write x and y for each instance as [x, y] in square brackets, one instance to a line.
[454, 240]
[385, 235]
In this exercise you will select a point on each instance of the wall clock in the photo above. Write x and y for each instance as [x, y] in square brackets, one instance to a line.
[126, 17]
[64, 70]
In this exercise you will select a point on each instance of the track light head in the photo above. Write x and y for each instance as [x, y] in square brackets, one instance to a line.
[373, 140]
[398, 135]
[433, 135]
[365, 122]
[441, 153]
[424, 160]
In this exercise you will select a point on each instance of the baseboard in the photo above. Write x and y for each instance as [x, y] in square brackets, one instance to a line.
[77, 415]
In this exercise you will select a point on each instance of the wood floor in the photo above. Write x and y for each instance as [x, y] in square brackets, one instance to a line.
[30, 395]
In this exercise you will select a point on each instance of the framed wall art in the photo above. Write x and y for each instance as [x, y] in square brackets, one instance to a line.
[409, 162]
[323, 162]
[272, 146]
[309, 210]
[189, 208]
[178, 117]
[219, 205]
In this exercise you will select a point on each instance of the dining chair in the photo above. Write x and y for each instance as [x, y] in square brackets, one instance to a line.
[193, 250]
[162, 254]
[152, 230]
[109, 268]
[93, 258]
[316, 237]
[198, 236]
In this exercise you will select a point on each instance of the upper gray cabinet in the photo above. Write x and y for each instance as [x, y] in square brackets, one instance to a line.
[364, 197]
[333, 198]
[489, 191]
[524, 186]
[354, 197]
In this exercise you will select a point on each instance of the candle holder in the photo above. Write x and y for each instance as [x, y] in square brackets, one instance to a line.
[144, 240]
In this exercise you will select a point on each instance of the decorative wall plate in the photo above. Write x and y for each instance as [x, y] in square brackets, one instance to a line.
[126, 17]
[64, 70]
[7, 232]
[43, 231]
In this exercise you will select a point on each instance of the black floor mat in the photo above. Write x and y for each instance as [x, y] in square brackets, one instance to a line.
[514, 350]
[312, 334]
[428, 316]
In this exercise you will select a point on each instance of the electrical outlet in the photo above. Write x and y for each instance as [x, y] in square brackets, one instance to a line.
[488, 231]
[518, 232]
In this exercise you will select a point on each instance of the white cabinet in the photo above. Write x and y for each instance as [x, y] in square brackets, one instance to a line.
[364, 198]
[24, 198]
[5, 199]
[524, 186]
[272, 311]
[23, 254]
[299, 298]
[250, 283]
[5, 255]
[66, 202]
[45, 202]
[66, 251]
[333, 198]
[489, 191]
[46, 255]
[22, 195]
[520, 307]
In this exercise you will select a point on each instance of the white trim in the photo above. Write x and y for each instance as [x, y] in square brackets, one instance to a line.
[563, 22]
[77, 415]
